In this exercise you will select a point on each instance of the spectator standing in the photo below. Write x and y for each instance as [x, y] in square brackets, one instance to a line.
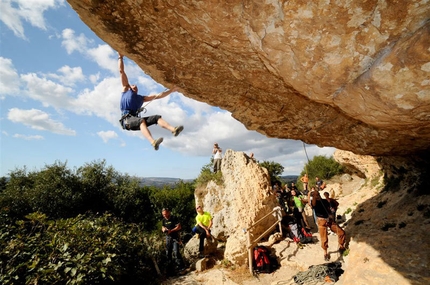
[322, 211]
[333, 205]
[217, 153]
[299, 205]
[305, 180]
[171, 228]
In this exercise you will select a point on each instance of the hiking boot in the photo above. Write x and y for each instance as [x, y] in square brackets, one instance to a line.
[156, 143]
[177, 130]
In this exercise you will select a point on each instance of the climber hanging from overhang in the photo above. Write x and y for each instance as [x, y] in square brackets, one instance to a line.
[131, 105]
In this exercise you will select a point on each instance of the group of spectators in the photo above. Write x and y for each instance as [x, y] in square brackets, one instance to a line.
[293, 202]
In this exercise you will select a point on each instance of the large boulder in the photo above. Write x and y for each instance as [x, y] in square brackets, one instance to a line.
[349, 74]
[243, 199]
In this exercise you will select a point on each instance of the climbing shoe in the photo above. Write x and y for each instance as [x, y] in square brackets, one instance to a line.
[156, 143]
[326, 257]
[177, 130]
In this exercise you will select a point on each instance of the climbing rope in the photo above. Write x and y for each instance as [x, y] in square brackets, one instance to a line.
[319, 273]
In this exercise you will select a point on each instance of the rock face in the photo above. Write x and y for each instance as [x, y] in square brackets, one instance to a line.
[242, 200]
[349, 74]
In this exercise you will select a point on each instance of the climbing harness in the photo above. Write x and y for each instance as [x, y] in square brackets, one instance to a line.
[128, 114]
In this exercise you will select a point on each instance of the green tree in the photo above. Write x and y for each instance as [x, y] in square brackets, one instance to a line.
[275, 170]
[179, 199]
[322, 167]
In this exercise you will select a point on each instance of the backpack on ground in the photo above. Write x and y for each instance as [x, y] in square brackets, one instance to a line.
[263, 261]
[298, 235]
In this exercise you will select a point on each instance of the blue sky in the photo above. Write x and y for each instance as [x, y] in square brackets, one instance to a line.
[59, 96]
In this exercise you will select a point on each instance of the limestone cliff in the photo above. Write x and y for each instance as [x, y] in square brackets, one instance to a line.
[349, 74]
[242, 200]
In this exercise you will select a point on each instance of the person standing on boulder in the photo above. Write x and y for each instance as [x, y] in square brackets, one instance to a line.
[217, 152]
[130, 104]
[305, 180]
[322, 212]
[203, 227]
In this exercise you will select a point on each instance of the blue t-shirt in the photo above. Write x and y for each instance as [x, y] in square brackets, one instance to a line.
[131, 101]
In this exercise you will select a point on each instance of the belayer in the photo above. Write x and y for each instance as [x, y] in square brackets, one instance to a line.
[131, 103]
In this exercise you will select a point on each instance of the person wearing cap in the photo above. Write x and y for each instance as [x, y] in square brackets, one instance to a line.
[217, 153]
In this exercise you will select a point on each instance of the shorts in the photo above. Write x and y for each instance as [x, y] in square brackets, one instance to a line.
[132, 123]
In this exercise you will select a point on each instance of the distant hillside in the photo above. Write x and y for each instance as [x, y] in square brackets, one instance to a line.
[289, 178]
[161, 181]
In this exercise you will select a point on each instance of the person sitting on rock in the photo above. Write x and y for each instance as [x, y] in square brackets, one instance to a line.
[202, 228]
[322, 212]
[319, 184]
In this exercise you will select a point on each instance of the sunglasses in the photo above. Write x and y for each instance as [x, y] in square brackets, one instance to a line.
[198, 208]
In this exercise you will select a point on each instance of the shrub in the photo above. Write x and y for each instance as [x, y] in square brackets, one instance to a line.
[80, 250]
[322, 167]
[207, 175]
[275, 170]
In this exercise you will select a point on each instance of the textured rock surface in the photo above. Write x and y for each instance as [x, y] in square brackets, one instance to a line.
[239, 203]
[349, 74]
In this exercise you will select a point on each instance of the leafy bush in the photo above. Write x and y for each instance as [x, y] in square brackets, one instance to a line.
[207, 175]
[322, 167]
[275, 170]
[80, 250]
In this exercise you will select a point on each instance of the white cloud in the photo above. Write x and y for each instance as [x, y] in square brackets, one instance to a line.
[94, 77]
[107, 135]
[102, 100]
[38, 120]
[68, 75]
[46, 91]
[28, 137]
[74, 43]
[9, 79]
[105, 57]
[14, 12]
